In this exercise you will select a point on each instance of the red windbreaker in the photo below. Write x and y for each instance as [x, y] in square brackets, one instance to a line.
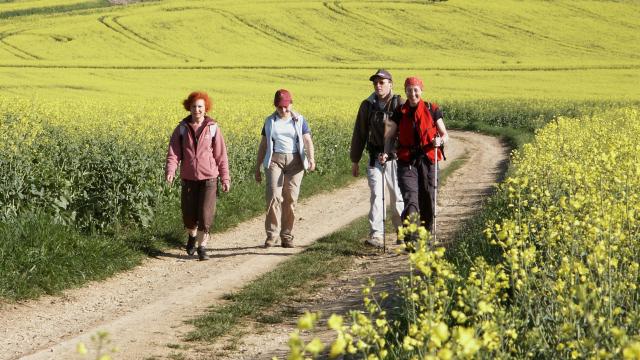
[423, 122]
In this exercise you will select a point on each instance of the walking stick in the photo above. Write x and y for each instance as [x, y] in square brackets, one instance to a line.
[435, 194]
[384, 211]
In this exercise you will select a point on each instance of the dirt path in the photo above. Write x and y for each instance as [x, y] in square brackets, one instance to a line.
[459, 199]
[143, 310]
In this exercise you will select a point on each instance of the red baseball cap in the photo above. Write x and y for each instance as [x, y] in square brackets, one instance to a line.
[413, 81]
[282, 98]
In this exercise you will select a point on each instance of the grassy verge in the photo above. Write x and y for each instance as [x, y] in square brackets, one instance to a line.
[56, 9]
[328, 256]
[46, 258]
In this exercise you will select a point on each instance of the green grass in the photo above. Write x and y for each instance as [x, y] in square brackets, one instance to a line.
[37, 257]
[54, 9]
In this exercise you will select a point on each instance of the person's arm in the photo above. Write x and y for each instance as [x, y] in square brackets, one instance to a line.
[220, 155]
[308, 148]
[174, 155]
[442, 130]
[262, 151]
[359, 138]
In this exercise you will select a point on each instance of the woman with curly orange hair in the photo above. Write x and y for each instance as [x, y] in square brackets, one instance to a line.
[198, 145]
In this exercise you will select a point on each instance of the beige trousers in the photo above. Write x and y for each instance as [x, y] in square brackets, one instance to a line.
[284, 177]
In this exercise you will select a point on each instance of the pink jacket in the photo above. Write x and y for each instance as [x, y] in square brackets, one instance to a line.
[205, 160]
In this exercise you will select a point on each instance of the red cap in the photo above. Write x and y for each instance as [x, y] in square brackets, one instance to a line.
[413, 81]
[282, 98]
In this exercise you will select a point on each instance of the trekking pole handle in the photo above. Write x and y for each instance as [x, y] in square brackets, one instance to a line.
[382, 158]
[437, 140]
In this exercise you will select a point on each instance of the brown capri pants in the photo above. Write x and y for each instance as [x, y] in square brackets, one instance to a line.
[284, 177]
[198, 203]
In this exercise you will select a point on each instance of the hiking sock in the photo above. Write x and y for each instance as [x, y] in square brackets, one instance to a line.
[202, 238]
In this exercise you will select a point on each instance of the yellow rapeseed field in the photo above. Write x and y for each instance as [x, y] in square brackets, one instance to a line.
[567, 284]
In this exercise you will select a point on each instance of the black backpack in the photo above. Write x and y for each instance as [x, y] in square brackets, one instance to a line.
[376, 122]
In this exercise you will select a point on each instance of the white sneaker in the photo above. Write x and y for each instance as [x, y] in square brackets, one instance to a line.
[374, 241]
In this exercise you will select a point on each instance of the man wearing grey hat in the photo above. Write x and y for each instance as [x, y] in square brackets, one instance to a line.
[368, 132]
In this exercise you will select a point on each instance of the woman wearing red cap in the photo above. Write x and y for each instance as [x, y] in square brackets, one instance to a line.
[419, 128]
[198, 145]
[285, 151]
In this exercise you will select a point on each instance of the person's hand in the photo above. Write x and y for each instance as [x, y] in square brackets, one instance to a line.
[169, 178]
[226, 187]
[312, 164]
[355, 169]
[437, 141]
[258, 175]
[382, 158]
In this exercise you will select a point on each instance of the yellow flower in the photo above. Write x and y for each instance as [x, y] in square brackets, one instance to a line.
[81, 349]
[467, 341]
[441, 331]
[445, 354]
[338, 347]
[315, 347]
[307, 321]
[335, 322]
[484, 308]
[632, 351]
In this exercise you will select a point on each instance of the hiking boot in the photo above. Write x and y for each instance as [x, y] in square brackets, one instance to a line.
[269, 243]
[375, 242]
[287, 243]
[191, 245]
[202, 253]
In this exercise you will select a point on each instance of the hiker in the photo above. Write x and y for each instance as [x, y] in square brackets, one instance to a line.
[416, 150]
[285, 152]
[198, 145]
[368, 131]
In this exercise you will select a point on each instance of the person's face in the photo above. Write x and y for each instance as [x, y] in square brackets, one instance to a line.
[414, 94]
[382, 87]
[198, 109]
[284, 111]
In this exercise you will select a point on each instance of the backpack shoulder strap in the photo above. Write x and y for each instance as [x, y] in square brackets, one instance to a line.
[433, 107]
[213, 128]
[394, 101]
[183, 132]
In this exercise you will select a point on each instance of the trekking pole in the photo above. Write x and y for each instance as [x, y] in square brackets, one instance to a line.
[435, 193]
[384, 211]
